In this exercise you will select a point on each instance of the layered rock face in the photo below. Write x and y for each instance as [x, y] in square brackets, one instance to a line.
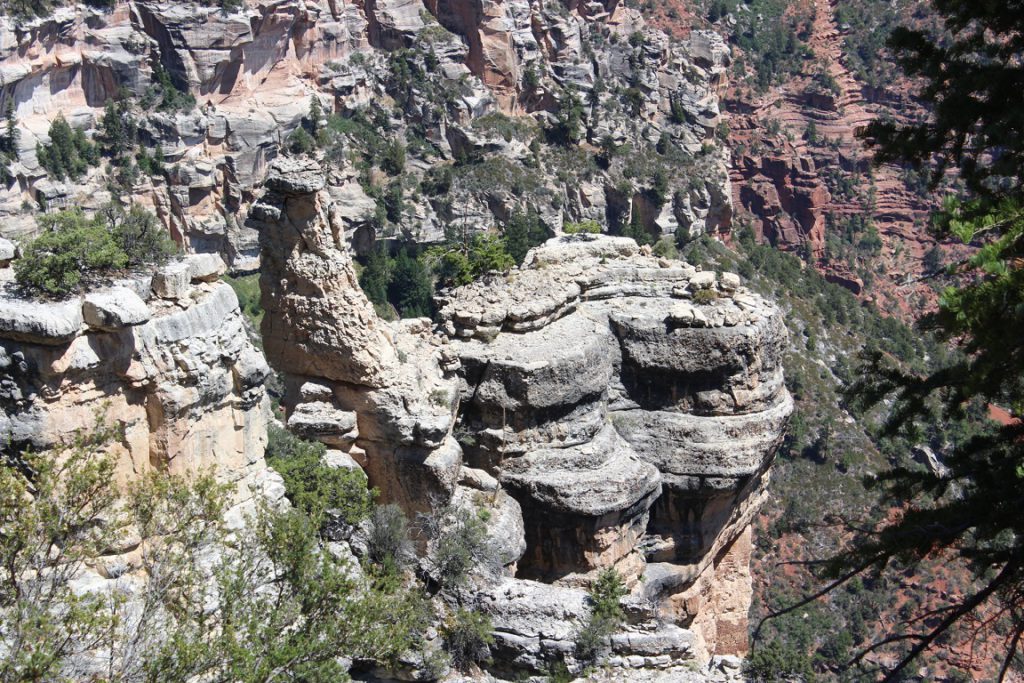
[361, 386]
[435, 76]
[164, 356]
[634, 425]
[616, 409]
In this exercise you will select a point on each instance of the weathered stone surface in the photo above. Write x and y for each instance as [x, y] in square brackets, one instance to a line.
[615, 409]
[173, 281]
[341, 362]
[185, 384]
[324, 422]
[253, 73]
[114, 309]
[40, 322]
[317, 323]
[205, 267]
[8, 250]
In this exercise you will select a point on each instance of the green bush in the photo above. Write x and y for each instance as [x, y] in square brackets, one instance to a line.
[461, 547]
[301, 142]
[313, 487]
[589, 227]
[411, 288]
[523, 232]
[704, 296]
[74, 250]
[468, 637]
[118, 130]
[387, 539]
[69, 154]
[165, 94]
[247, 289]
[774, 662]
[458, 263]
[268, 604]
[392, 159]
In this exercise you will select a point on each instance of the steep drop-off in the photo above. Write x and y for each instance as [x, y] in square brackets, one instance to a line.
[643, 446]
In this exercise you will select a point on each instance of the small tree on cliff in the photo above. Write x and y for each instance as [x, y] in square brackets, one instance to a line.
[285, 609]
[973, 84]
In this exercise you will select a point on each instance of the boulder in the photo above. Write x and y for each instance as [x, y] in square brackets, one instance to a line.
[205, 267]
[8, 251]
[114, 309]
[324, 422]
[173, 281]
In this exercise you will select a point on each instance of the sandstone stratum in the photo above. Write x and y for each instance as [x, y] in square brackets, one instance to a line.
[611, 409]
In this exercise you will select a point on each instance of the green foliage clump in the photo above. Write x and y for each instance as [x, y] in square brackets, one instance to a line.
[8, 142]
[587, 227]
[247, 289]
[74, 250]
[283, 608]
[705, 296]
[461, 547]
[606, 614]
[411, 289]
[468, 637]
[568, 126]
[392, 159]
[775, 661]
[301, 142]
[403, 282]
[69, 154]
[313, 487]
[635, 229]
[118, 130]
[387, 540]
[523, 232]
[165, 94]
[462, 261]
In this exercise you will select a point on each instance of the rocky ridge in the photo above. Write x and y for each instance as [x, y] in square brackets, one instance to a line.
[641, 444]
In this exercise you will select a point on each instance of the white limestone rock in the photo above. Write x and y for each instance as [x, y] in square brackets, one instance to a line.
[114, 309]
[173, 281]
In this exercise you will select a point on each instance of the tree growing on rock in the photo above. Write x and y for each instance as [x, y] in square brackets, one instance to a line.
[270, 605]
[69, 154]
[73, 249]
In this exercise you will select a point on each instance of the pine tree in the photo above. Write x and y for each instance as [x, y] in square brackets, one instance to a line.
[523, 232]
[9, 141]
[316, 114]
[376, 275]
[411, 289]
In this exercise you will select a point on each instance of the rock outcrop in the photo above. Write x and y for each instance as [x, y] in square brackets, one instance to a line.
[173, 368]
[617, 409]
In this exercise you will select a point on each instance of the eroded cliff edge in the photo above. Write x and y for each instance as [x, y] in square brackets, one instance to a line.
[613, 408]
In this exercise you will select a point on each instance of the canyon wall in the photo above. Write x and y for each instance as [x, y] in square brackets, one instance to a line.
[607, 407]
[164, 356]
[437, 77]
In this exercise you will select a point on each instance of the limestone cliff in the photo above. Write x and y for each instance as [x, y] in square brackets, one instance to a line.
[163, 356]
[616, 409]
[436, 76]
